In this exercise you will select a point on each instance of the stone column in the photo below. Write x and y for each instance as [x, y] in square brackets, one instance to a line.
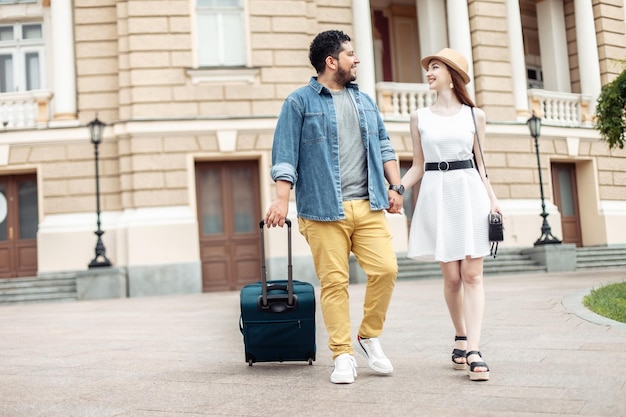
[518, 62]
[431, 24]
[460, 35]
[63, 62]
[363, 42]
[553, 46]
[588, 60]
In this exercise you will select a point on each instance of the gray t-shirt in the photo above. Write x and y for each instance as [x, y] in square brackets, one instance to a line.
[352, 158]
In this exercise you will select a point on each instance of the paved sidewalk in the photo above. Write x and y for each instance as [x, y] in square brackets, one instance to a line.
[183, 356]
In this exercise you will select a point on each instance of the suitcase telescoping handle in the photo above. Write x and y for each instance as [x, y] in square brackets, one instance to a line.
[289, 266]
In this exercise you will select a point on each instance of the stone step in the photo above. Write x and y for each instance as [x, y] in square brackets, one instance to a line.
[38, 289]
[512, 261]
[600, 257]
[596, 252]
[69, 288]
[508, 261]
[604, 249]
[38, 298]
[11, 283]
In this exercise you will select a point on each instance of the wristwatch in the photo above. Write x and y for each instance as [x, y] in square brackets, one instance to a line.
[397, 188]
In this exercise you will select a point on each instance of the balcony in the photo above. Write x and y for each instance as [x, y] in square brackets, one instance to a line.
[27, 110]
[561, 109]
[397, 100]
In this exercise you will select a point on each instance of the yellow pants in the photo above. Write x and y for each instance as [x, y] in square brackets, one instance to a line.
[366, 234]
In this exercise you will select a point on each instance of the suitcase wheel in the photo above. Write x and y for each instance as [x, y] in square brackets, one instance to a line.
[249, 362]
[310, 361]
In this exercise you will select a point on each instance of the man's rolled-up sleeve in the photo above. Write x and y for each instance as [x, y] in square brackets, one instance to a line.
[286, 145]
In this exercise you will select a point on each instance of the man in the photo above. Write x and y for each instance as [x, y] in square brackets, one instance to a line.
[331, 144]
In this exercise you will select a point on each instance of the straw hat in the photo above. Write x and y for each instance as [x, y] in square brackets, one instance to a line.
[451, 58]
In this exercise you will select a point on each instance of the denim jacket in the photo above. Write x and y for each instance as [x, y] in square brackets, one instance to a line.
[306, 151]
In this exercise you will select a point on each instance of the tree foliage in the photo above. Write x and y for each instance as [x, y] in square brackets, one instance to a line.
[611, 112]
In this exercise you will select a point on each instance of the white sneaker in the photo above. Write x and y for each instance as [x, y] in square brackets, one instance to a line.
[345, 369]
[373, 352]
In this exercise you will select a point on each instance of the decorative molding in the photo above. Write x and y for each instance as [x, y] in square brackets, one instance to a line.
[224, 75]
[573, 146]
[227, 140]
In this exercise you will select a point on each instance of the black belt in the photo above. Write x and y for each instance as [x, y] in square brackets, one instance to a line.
[449, 166]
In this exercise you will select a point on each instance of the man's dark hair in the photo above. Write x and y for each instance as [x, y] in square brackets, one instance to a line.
[329, 43]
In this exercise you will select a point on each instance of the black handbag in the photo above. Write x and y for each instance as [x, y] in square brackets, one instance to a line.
[496, 231]
[496, 228]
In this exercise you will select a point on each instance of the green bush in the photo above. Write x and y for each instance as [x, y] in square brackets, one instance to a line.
[611, 112]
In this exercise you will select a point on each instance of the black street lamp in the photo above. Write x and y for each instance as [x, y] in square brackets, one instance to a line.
[96, 128]
[534, 124]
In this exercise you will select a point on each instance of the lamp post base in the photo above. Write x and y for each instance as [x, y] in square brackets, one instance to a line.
[101, 259]
[99, 263]
[547, 239]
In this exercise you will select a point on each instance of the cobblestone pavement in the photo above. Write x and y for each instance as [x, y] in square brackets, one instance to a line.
[182, 356]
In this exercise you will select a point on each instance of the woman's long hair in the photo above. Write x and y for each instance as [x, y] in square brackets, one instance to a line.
[460, 91]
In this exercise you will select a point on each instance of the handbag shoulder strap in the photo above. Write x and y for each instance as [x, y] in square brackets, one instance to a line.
[478, 140]
[494, 245]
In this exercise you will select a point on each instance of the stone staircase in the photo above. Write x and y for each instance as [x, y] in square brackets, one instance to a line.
[508, 261]
[38, 289]
[62, 287]
[511, 261]
[601, 257]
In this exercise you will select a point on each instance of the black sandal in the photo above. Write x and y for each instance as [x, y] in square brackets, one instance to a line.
[476, 375]
[458, 354]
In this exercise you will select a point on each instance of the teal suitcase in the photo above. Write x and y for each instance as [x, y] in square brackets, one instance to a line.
[278, 316]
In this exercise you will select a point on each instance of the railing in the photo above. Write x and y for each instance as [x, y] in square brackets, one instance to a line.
[397, 100]
[25, 110]
[560, 109]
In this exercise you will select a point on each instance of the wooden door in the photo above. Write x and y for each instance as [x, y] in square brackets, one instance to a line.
[405, 49]
[18, 226]
[396, 41]
[566, 199]
[228, 217]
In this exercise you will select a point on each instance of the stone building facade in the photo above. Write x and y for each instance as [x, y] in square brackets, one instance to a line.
[190, 91]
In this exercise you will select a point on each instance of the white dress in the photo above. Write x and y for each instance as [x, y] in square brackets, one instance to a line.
[450, 217]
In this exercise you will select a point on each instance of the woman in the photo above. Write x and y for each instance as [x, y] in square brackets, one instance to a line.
[450, 218]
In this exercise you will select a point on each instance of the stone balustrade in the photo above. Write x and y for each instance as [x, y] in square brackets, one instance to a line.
[30, 109]
[397, 100]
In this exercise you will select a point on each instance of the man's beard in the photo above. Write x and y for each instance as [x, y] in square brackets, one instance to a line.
[343, 77]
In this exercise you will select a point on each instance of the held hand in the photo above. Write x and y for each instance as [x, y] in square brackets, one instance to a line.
[495, 208]
[395, 203]
[277, 213]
